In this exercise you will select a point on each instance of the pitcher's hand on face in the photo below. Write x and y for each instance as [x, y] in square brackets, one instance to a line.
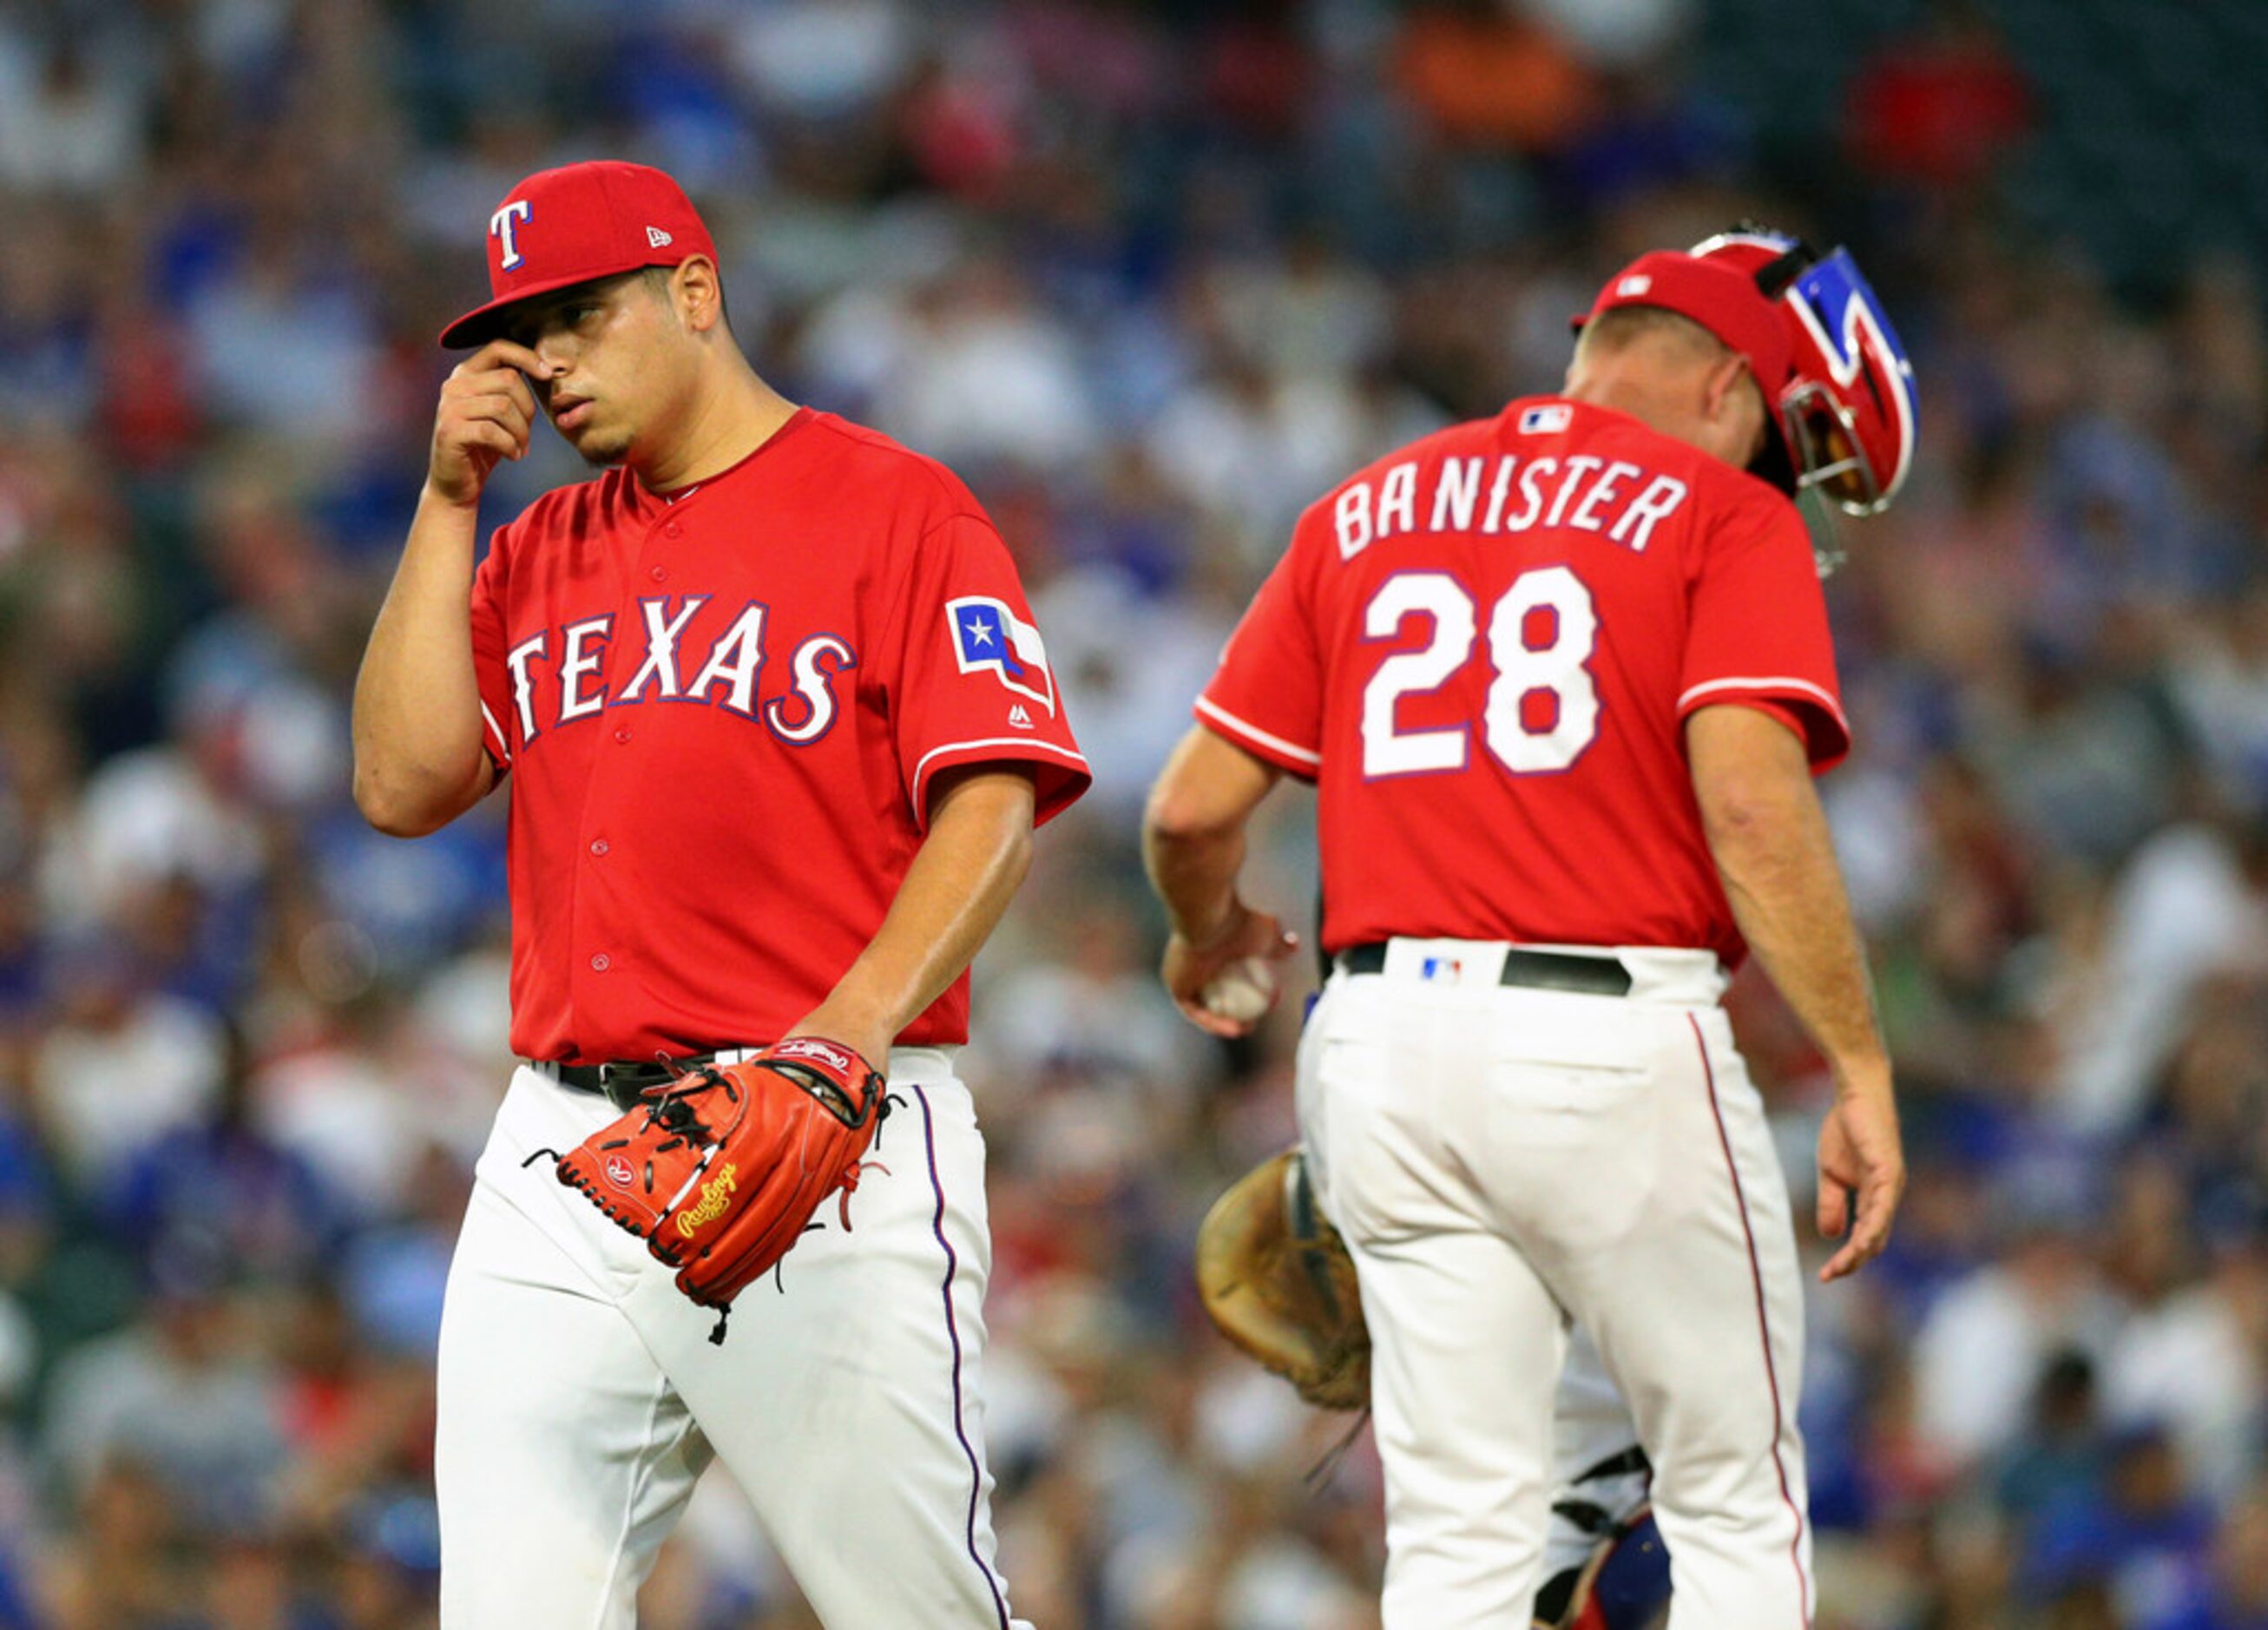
[1189, 966]
[487, 412]
[1862, 1174]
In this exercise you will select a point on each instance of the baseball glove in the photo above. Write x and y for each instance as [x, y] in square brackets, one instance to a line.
[721, 1171]
[1277, 1279]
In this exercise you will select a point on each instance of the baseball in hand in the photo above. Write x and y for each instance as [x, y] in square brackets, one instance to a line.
[1241, 992]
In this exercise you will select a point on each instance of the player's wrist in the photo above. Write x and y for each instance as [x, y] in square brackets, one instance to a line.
[1867, 1076]
[855, 1016]
[443, 494]
[1208, 932]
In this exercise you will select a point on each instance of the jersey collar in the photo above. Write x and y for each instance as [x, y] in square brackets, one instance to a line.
[648, 501]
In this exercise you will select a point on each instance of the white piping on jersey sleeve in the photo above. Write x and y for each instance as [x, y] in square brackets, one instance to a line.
[921, 768]
[496, 734]
[1230, 722]
[1777, 683]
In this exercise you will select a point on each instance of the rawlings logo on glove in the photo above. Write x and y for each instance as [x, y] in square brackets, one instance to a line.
[836, 1058]
[721, 1171]
[716, 1194]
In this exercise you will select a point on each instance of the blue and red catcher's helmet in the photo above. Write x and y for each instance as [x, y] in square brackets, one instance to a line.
[1849, 411]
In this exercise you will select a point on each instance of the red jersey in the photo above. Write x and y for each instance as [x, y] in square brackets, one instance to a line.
[722, 717]
[1482, 648]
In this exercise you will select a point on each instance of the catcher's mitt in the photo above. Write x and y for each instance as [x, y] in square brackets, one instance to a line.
[1278, 1281]
[719, 1171]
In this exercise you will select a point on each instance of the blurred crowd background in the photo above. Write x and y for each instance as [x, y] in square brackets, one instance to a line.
[1150, 276]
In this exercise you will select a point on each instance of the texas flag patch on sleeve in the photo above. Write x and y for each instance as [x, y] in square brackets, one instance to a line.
[988, 636]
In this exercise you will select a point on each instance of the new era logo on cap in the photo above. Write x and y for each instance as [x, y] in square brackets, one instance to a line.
[575, 224]
[1630, 288]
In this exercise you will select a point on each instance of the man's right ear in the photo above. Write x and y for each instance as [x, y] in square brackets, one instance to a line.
[699, 296]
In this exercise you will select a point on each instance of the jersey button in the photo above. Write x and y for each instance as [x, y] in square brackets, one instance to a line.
[659, 576]
[674, 530]
[623, 736]
[601, 962]
[599, 846]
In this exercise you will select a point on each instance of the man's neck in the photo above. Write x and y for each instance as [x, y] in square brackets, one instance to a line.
[731, 422]
[1623, 395]
[1628, 391]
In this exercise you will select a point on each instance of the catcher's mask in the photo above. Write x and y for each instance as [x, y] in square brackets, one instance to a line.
[1849, 411]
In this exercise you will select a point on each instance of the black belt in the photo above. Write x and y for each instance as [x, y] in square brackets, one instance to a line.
[623, 1081]
[1545, 971]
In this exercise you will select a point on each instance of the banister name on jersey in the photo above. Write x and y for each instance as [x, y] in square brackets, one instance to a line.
[723, 717]
[1483, 649]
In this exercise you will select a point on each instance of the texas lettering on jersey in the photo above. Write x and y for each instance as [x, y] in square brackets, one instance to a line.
[556, 673]
[723, 720]
[1482, 648]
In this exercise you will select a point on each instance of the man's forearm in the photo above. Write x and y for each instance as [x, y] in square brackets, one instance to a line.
[1193, 831]
[1195, 875]
[418, 756]
[1771, 846]
[961, 881]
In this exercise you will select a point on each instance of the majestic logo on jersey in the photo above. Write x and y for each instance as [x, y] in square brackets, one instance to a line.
[1020, 717]
[986, 635]
[501, 227]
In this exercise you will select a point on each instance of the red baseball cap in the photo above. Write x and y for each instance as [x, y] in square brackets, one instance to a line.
[579, 221]
[1726, 302]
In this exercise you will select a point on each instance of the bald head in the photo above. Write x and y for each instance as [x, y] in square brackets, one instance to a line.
[1669, 371]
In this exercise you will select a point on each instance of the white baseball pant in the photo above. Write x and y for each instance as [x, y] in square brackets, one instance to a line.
[1503, 1159]
[1592, 1437]
[580, 1396]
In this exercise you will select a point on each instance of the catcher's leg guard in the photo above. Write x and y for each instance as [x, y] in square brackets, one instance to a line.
[1624, 1586]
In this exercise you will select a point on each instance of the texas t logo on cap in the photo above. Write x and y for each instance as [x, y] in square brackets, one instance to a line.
[500, 228]
[576, 224]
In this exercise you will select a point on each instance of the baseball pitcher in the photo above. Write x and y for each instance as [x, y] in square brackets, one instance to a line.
[778, 728]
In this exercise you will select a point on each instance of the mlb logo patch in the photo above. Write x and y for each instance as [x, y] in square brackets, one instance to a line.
[1441, 968]
[988, 637]
[1546, 421]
